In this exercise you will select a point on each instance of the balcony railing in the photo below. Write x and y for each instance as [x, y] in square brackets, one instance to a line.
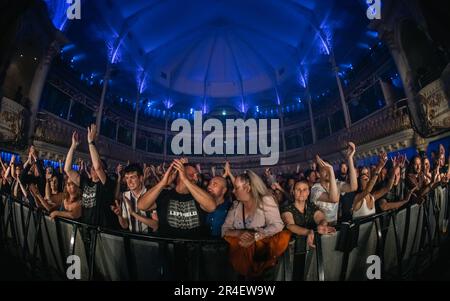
[385, 122]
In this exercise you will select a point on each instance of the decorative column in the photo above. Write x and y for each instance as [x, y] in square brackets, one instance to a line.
[136, 117]
[389, 37]
[280, 115]
[106, 78]
[311, 116]
[329, 125]
[341, 91]
[38, 83]
[388, 28]
[388, 94]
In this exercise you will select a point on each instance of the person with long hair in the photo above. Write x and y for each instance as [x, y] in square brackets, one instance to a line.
[398, 195]
[71, 203]
[365, 198]
[65, 204]
[326, 194]
[416, 179]
[252, 226]
[255, 215]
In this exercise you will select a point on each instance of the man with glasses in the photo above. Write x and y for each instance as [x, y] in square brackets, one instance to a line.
[181, 211]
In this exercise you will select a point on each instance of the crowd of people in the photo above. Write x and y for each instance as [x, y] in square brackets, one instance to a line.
[248, 210]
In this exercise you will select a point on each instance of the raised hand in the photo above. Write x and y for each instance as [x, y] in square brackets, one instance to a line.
[117, 208]
[323, 164]
[92, 133]
[119, 170]
[436, 174]
[383, 158]
[159, 170]
[351, 149]
[441, 150]
[178, 165]
[153, 169]
[147, 172]
[167, 178]
[75, 139]
[227, 169]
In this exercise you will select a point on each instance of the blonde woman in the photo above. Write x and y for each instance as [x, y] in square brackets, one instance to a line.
[252, 227]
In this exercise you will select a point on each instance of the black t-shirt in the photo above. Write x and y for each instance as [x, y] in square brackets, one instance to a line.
[180, 215]
[96, 201]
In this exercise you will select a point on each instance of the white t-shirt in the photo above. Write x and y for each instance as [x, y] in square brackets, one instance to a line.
[329, 209]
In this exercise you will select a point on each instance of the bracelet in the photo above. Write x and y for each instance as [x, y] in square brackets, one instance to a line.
[92, 142]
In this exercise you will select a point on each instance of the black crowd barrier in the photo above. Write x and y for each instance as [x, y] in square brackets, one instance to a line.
[406, 241]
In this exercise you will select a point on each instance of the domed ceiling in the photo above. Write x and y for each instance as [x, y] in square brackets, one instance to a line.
[215, 54]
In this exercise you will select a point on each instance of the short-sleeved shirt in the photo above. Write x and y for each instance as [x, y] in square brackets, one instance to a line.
[216, 218]
[329, 209]
[180, 215]
[96, 199]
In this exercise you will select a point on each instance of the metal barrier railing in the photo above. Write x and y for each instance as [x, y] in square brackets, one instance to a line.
[402, 239]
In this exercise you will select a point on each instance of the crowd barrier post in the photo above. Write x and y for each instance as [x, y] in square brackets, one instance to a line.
[92, 248]
[398, 247]
[319, 257]
[38, 238]
[380, 246]
[131, 266]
